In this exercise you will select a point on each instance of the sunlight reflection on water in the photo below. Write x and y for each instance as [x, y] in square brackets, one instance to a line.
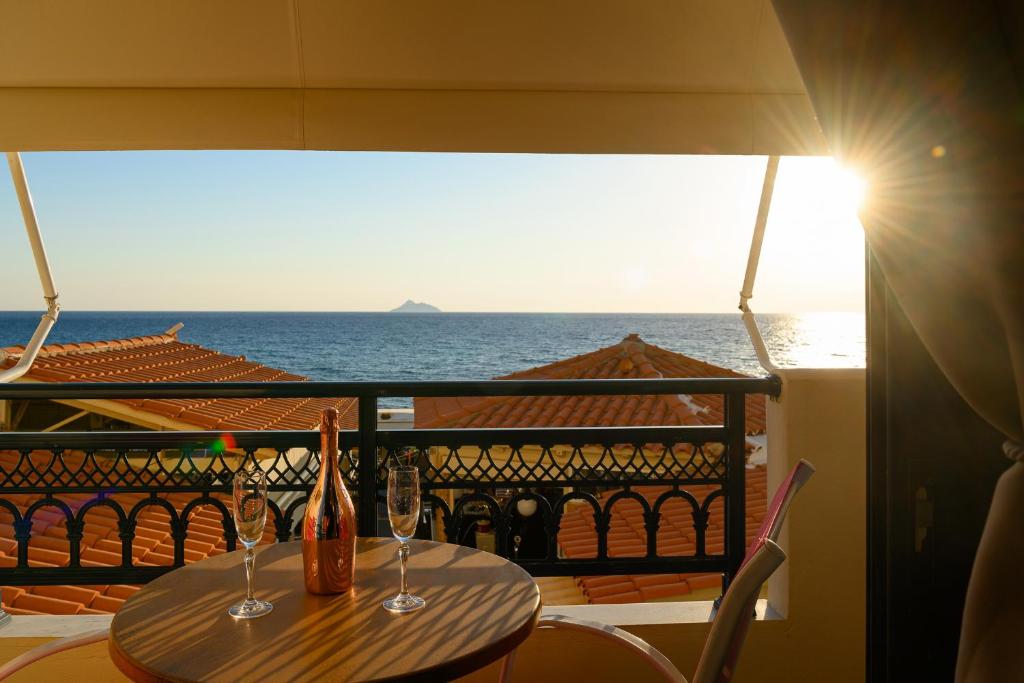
[815, 340]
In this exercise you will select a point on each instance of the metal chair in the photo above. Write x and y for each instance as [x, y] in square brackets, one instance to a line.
[775, 515]
[731, 615]
[51, 648]
[721, 650]
[729, 629]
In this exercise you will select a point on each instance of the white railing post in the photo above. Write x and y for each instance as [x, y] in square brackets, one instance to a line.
[770, 171]
[28, 214]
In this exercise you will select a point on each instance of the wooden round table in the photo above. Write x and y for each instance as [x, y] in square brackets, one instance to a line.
[479, 608]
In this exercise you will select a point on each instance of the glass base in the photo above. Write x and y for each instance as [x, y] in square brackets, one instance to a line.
[401, 604]
[250, 609]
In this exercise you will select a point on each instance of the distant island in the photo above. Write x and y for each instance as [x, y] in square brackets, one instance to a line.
[411, 306]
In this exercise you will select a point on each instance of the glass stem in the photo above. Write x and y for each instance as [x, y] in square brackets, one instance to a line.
[250, 562]
[403, 554]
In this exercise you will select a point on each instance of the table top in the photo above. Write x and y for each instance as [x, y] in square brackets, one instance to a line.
[479, 608]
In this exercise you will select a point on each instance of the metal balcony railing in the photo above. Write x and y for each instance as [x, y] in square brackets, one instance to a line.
[75, 477]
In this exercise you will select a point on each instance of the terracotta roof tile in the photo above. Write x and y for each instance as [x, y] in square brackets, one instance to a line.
[85, 596]
[163, 358]
[631, 358]
[45, 605]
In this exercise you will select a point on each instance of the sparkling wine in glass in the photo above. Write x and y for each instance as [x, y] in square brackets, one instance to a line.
[404, 513]
[249, 505]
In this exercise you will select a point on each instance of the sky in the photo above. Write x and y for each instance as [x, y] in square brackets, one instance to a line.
[344, 231]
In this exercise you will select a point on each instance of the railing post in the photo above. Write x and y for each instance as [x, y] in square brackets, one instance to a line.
[367, 514]
[735, 485]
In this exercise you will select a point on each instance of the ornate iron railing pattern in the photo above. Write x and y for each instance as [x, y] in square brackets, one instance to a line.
[42, 470]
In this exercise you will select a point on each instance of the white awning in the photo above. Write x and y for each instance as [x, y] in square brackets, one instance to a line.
[667, 76]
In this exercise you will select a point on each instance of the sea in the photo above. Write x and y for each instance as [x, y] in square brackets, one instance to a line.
[439, 346]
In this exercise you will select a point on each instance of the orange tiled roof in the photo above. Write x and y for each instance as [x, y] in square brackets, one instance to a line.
[629, 359]
[627, 537]
[162, 358]
[100, 545]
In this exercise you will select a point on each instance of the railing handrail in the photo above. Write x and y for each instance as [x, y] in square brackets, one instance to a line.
[769, 385]
[681, 461]
[349, 438]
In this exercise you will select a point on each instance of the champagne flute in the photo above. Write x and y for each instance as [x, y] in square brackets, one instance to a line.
[404, 514]
[249, 504]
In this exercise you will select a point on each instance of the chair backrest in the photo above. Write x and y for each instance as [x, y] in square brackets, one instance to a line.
[617, 637]
[51, 648]
[729, 629]
[722, 648]
[732, 616]
[775, 515]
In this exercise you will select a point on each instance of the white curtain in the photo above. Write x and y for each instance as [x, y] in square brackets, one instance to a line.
[925, 99]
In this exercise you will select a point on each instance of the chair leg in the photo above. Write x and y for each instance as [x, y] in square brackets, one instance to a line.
[505, 676]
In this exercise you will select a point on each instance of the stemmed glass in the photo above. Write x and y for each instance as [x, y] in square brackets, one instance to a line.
[250, 508]
[404, 514]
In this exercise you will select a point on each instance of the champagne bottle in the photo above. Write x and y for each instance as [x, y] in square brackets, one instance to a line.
[329, 524]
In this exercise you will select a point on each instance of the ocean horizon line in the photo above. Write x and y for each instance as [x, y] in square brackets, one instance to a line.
[426, 314]
[460, 345]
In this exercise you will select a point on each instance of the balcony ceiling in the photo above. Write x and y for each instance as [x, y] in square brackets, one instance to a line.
[652, 76]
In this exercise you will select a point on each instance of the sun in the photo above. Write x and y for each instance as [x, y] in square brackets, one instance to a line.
[822, 184]
[816, 194]
[814, 240]
[848, 189]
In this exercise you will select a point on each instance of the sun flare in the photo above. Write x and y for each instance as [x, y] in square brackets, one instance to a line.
[849, 188]
[818, 199]
[826, 184]
[814, 241]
